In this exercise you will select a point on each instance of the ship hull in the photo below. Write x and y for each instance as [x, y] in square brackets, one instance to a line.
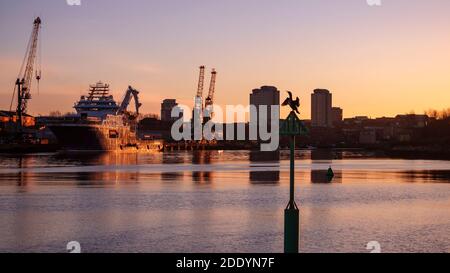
[99, 138]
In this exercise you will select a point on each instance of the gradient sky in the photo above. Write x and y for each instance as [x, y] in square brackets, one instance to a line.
[377, 61]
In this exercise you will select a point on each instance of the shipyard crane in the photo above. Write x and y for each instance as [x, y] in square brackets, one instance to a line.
[24, 79]
[197, 112]
[198, 104]
[201, 80]
[130, 93]
[209, 101]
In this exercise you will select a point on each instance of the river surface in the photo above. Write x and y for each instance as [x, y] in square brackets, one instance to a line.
[222, 201]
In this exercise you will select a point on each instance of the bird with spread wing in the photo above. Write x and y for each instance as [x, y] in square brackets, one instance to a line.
[294, 104]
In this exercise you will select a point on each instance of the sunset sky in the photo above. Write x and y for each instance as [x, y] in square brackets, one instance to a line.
[377, 61]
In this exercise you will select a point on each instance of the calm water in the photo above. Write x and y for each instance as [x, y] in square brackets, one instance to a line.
[230, 201]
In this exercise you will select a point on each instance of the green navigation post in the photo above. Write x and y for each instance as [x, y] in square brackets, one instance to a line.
[292, 127]
[291, 213]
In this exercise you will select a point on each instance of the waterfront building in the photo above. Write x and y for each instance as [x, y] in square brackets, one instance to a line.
[8, 121]
[166, 110]
[265, 96]
[321, 108]
[336, 116]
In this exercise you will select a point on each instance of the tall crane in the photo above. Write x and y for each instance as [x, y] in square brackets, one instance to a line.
[201, 80]
[24, 79]
[200, 114]
[197, 112]
[209, 111]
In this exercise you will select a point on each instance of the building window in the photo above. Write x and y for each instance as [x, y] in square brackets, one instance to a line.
[113, 134]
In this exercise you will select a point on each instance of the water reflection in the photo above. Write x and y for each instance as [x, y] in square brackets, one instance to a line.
[23, 178]
[427, 176]
[206, 166]
[258, 176]
[122, 202]
[109, 177]
[322, 177]
[325, 156]
[202, 158]
[26, 169]
[172, 158]
[90, 159]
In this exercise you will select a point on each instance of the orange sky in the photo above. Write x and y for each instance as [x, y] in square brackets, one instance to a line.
[377, 61]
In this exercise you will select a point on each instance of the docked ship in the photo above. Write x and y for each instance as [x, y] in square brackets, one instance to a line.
[101, 124]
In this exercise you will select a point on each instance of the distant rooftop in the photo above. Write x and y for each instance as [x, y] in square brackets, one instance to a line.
[265, 88]
[321, 91]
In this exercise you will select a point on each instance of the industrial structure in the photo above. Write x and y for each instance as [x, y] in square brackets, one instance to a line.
[19, 131]
[209, 102]
[98, 103]
[197, 112]
[25, 77]
[202, 113]
[101, 124]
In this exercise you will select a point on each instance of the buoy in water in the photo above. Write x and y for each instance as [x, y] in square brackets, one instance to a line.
[330, 174]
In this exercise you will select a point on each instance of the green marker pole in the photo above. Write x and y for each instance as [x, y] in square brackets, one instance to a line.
[292, 171]
[291, 213]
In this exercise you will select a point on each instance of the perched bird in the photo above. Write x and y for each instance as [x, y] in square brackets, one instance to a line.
[294, 104]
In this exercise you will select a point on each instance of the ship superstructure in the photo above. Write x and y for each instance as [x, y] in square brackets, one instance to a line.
[98, 103]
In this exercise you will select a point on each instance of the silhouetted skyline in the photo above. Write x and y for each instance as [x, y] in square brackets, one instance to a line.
[377, 61]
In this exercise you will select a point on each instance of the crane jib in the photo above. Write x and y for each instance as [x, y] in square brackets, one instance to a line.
[24, 80]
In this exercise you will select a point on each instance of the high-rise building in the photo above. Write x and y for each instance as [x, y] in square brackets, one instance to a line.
[166, 109]
[336, 115]
[264, 96]
[321, 114]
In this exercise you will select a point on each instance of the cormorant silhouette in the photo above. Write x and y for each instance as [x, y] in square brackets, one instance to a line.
[294, 104]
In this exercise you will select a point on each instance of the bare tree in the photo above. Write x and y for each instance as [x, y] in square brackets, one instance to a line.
[55, 114]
